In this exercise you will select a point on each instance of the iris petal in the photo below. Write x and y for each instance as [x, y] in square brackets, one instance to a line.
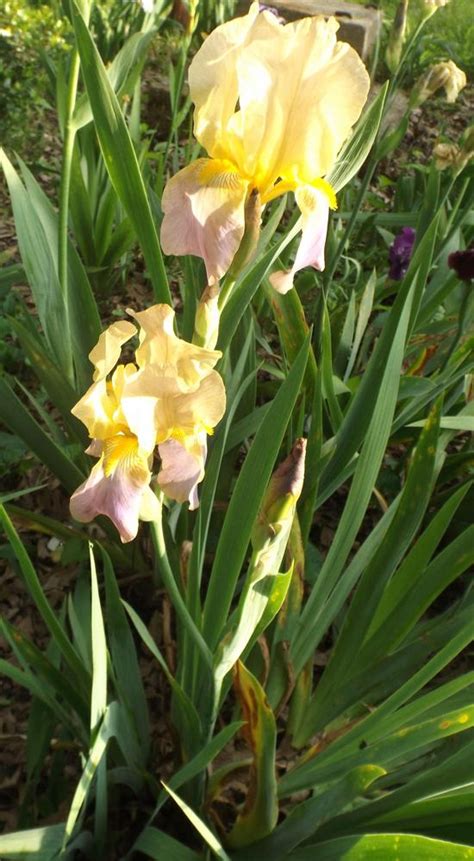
[115, 487]
[204, 214]
[314, 206]
[182, 469]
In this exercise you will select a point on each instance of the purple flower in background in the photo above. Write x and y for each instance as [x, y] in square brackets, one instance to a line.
[463, 263]
[400, 253]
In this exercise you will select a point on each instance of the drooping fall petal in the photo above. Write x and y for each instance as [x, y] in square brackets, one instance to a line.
[204, 214]
[115, 487]
[182, 469]
[314, 206]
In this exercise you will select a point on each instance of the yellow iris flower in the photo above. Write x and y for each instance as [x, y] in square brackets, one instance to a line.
[273, 105]
[170, 397]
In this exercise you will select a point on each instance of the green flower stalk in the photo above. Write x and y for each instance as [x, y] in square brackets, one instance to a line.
[248, 244]
[397, 37]
[269, 540]
[275, 518]
[431, 6]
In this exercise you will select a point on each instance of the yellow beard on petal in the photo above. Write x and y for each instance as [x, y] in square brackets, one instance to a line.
[122, 452]
[327, 189]
[220, 174]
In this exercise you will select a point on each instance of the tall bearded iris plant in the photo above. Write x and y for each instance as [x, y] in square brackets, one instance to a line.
[309, 677]
[273, 105]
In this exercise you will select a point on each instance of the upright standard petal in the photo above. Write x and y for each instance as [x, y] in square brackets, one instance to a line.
[213, 81]
[204, 214]
[273, 105]
[100, 408]
[116, 486]
[165, 355]
[154, 413]
[314, 206]
[106, 353]
[299, 94]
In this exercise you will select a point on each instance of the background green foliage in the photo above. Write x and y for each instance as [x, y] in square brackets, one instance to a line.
[28, 32]
[346, 725]
[449, 34]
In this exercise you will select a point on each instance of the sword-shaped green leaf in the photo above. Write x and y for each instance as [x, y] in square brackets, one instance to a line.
[119, 155]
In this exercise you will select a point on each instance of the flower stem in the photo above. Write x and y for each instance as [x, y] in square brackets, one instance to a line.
[173, 591]
[65, 185]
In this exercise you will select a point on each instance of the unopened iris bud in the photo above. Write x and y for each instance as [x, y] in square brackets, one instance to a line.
[206, 323]
[282, 494]
[193, 17]
[444, 75]
[397, 37]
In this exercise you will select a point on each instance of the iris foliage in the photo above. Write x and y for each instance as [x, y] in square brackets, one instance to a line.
[318, 697]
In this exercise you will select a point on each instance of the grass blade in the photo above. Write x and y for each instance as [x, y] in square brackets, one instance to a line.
[246, 500]
[119, 155]
[385, 847]
[48, 615]
[200, 826]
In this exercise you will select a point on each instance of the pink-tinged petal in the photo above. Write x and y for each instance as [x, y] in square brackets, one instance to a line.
[204, 214]
[182, 469]
[314, 206]
[95, 448]
[115, 487]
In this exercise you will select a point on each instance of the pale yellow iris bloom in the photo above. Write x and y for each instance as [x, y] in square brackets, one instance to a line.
[273, 105]
[445, 75]
[169, 397]
[430, 6]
